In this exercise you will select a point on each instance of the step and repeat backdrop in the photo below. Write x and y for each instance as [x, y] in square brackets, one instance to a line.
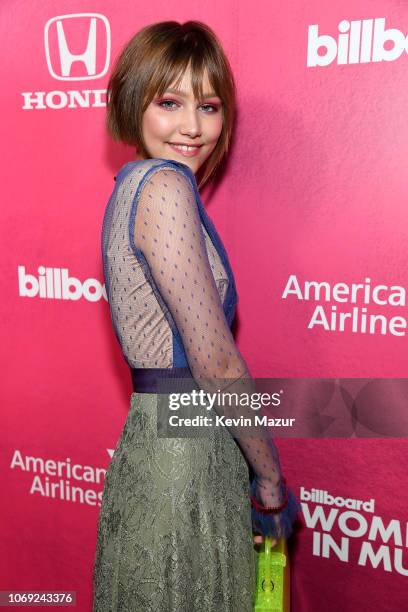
[312, 208]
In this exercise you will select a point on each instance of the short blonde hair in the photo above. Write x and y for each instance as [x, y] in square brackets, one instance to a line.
[157, 56]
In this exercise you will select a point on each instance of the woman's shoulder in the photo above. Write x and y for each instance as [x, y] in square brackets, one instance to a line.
[142, 169]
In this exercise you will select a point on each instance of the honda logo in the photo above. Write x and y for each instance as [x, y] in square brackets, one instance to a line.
[77, 47]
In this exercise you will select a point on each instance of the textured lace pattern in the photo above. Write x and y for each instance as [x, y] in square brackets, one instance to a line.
[172, 537]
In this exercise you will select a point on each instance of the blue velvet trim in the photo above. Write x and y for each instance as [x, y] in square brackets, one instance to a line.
[279, 524]
[179, 355]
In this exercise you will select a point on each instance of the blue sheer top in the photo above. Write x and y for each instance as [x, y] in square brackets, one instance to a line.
[172, 300]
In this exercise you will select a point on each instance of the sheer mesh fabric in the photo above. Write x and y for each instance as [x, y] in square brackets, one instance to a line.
[168, 232]
[138, 317]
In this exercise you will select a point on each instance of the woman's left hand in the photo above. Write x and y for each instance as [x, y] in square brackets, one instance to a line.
[259, 539]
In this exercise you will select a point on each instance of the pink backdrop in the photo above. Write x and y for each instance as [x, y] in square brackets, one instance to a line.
[315, 190]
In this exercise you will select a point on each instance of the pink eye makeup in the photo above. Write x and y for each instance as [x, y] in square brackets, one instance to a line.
[214, 107]
[166, 103]
[170, 104]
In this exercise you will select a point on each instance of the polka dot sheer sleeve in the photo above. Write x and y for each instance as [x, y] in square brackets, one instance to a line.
[168, 232]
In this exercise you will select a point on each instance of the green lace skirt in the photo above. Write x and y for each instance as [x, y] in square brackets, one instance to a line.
[174, 530]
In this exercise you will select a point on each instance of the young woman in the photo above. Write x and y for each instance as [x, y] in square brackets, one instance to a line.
[175, 527]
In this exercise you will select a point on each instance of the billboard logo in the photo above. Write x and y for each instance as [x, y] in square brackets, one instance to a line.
[77, 46]
[358, 42]
[57, 284]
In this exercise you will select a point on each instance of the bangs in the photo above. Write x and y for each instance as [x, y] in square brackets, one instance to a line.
[172, 66]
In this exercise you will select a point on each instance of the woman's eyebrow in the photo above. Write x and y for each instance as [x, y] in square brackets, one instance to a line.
[184, 94]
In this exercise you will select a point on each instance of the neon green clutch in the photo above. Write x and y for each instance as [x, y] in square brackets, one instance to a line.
[272, 578]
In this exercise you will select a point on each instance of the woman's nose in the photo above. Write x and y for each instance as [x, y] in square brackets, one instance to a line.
[190, 124]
